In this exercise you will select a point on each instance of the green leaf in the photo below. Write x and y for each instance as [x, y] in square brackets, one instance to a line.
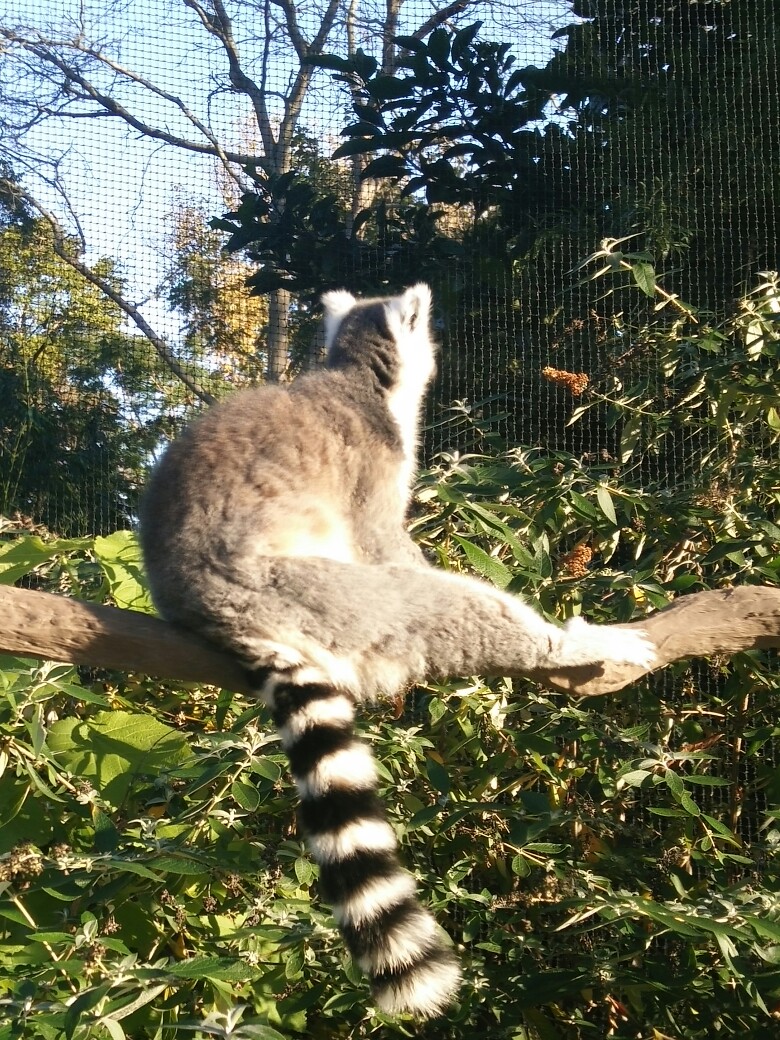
[388, 88]
[439, 48]
[247, 796]
[112, 1027]
[293, 963]
[222, 969]
[463, 39]
[607, 505]
[365, 65]
[488, 566]
[423, 817]
[178, 865]
[689, 805]
[520, 866]
[120, 557]
[438, 775]
[54, 938]
[385, 166]
[584, 508]
[644, 276]
[114, 748]
[674, 783]
[634, 777]
[304, 871]
[266, 768]
[25, 554]
[629, 438]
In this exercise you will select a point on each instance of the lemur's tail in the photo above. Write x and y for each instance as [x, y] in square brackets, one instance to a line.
[410, 963]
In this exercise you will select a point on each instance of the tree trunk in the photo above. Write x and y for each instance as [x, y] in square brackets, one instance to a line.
[278, 335]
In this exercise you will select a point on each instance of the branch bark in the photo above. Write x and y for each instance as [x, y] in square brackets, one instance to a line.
[49, 627]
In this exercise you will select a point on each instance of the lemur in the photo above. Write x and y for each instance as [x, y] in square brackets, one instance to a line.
[274, 527]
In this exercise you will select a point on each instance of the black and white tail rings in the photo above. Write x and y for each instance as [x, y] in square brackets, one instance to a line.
[409, 960]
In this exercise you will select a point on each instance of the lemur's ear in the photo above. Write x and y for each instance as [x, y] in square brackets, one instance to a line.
[336, 304]
[413, 308]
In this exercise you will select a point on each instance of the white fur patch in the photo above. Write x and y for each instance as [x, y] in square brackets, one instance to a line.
[426, 991]
[336, 304]
[324, 712]
[351, 768]
[360, 836]
[418, 362]
[403, 944]
[317, 533]
[374, 898]
[380, 675]
[301, 661]
[581, 643]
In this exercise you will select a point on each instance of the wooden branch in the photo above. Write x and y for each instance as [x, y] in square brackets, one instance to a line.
[719, 621]
[49, 627]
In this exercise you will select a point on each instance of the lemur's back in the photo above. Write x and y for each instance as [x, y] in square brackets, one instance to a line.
[308, 470]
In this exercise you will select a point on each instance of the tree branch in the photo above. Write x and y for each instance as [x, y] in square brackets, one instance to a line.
[440, 17]
[82, 89]
[300, 86]
[291, 20]
[49, 627]
[221, 28]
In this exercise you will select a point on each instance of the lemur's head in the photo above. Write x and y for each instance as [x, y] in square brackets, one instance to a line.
[391, 334]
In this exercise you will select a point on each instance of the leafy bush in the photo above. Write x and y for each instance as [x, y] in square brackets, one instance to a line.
[608, 868]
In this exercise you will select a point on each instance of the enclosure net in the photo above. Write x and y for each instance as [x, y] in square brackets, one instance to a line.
[637, 203]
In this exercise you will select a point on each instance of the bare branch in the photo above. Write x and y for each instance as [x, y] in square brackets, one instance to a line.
[49, 627]
[720, 621]
[301, 85]
[41, 625]
[440, 17]
[65, 253]
[316, 45]
[82, 89]
[291, 21]
[220, 26]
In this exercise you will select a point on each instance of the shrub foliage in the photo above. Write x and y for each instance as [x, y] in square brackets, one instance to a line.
[608, 867]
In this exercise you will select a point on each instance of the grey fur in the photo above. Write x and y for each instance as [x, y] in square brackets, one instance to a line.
[274, 527]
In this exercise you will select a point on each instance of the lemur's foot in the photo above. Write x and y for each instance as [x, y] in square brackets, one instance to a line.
[584, 644]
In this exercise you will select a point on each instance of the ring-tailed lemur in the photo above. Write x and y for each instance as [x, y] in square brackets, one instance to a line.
[274, 527]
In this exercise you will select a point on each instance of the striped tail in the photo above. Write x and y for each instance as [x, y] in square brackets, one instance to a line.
[408, 959]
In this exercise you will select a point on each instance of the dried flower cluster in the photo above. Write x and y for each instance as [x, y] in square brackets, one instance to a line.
[575, 382]
[21, 863]
[576, 562]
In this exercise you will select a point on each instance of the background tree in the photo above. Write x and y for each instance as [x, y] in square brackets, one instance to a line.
[628, 135]
[80, 414]
[71, 72]
[208, 288]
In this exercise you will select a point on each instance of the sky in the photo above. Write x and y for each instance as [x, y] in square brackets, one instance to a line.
[123, 188]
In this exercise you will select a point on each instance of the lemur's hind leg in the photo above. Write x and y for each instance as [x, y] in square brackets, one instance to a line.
[372, 628]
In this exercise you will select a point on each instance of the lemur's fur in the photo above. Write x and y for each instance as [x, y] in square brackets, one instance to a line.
[274, 526]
